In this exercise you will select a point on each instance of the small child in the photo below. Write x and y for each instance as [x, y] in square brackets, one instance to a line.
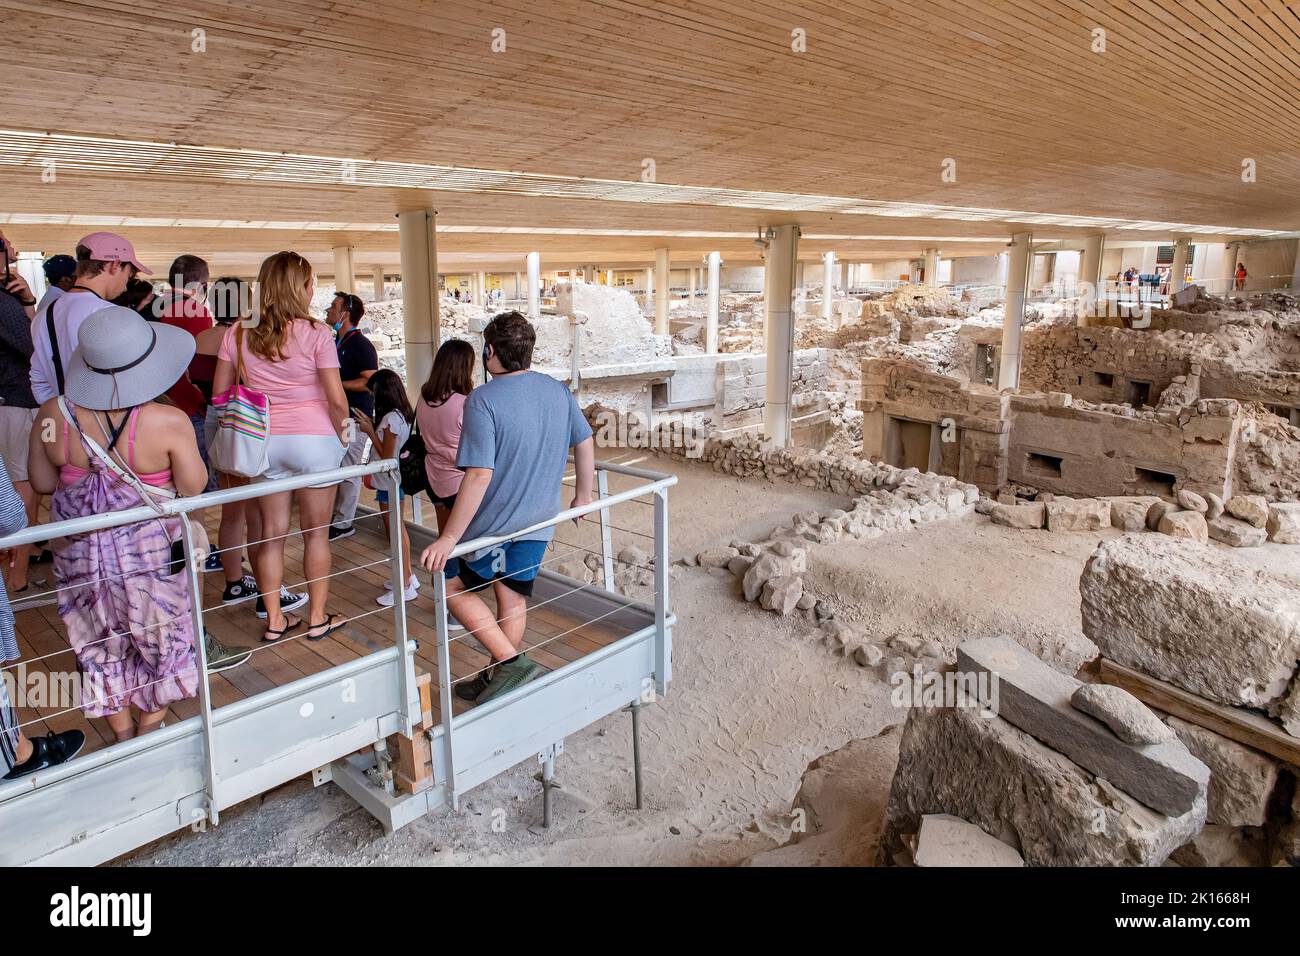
[394, 414]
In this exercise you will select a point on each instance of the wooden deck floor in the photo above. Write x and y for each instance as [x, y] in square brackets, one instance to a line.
[41, 633]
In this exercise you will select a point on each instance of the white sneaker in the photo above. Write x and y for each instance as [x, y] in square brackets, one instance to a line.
[414, 582]
[410, 594]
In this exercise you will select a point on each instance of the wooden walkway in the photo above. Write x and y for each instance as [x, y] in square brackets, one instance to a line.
[40, 632]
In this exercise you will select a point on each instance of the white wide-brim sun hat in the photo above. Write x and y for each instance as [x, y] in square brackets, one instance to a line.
[122, 360]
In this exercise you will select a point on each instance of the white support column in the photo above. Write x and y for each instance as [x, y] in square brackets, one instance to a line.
[419, 251]
[931, 267]
[379, 283]
[714, 303]
[662, 291]
[828, 283]
[519, 285]
[1232, 255]
[344, 278]
[690, 287]
[1092, 292]
[1178, 279]
[534, 285]
[650, 291]
[778, 328]
[1018, 259]
[480, 288]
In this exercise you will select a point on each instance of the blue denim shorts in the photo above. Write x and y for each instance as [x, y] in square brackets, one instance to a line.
[515, 564]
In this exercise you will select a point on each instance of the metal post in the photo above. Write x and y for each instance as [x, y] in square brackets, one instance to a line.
[548, 786]
[444, 683]
[663, 653]
[635, 707]
[406, 685]
[195, 586]
[606, 536]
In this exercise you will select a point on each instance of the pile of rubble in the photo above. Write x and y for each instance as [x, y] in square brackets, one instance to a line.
[1066, 772]
[749, 455]
[1024, 757]
[1243, 521]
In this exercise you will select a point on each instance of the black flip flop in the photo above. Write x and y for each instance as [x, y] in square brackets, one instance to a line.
[279, 635]
[329, 625]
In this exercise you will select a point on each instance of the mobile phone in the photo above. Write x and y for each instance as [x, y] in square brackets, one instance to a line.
[4, 276]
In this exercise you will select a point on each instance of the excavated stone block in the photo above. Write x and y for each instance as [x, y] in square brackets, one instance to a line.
[1242, 780]
[1252, 509]
[1037, 699]
[1196, 617]
[1084, 514]
[1236, 533]
[986, 771]
[1284, 522]
[1022, 517]
[782, 594]
[945, 840]
[1193, 502]
[1132, 721]
[1189, 525]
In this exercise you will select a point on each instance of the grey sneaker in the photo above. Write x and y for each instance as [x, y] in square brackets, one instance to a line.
[508, 676]
[220, 657]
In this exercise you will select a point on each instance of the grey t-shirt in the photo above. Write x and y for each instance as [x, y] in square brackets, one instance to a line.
[522, 427]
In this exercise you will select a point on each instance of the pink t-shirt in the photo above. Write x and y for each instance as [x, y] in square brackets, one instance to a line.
[298, 403]
[440, 429]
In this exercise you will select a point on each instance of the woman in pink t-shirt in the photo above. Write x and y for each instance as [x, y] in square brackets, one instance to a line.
[291, 357]
[442, 401]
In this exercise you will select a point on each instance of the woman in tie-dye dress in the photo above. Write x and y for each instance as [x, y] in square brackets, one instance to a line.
[122, 595]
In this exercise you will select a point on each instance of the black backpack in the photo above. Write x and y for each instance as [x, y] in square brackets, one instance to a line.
[410, 461]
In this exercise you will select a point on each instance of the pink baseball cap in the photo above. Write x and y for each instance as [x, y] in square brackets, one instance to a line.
[110, 247]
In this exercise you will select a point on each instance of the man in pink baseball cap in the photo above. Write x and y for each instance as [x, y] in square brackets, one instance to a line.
[105, 264]
[109, 247]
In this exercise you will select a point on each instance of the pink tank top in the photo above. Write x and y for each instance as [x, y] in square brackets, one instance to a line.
[71, 474]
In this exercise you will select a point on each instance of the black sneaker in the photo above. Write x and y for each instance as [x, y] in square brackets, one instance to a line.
[245, 589]
[336, 533]
[289, 601]
[49, 751]
[470, 689]
[212, 562]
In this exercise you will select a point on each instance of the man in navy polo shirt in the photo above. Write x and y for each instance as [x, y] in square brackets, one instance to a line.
[358, 360]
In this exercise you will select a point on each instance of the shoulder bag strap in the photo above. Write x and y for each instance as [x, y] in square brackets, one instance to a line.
[54, 344]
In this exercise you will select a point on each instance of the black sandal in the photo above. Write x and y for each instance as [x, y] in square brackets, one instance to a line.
[279, 635]
[328, 624]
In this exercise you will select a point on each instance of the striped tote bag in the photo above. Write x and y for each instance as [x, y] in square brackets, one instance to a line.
[243, 424]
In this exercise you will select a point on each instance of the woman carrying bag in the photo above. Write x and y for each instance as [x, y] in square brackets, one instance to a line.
[289, 360]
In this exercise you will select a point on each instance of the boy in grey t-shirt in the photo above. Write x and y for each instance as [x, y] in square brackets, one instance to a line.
[514, 445]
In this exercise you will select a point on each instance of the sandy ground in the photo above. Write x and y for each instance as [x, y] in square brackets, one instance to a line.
[755, 700]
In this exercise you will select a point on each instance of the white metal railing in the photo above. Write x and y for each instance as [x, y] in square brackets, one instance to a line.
[115, 799]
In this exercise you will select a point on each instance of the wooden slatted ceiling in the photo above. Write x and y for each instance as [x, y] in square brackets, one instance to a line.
[1155, 128]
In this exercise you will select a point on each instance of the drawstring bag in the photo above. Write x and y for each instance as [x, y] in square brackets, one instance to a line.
[243, 424]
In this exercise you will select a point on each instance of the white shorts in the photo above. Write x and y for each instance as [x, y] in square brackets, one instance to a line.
[288, 456]
[15, 432]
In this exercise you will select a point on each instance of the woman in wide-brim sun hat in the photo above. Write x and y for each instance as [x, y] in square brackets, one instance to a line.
[109, 445]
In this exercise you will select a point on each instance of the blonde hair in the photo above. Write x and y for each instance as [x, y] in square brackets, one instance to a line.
[281, 298]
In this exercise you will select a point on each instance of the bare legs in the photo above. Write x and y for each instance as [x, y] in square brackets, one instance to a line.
[16, 575]
[269, 563]
[501, 636]
[124, 727]
[315, 507]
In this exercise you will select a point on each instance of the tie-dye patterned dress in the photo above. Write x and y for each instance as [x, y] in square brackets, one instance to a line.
[127, 616]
